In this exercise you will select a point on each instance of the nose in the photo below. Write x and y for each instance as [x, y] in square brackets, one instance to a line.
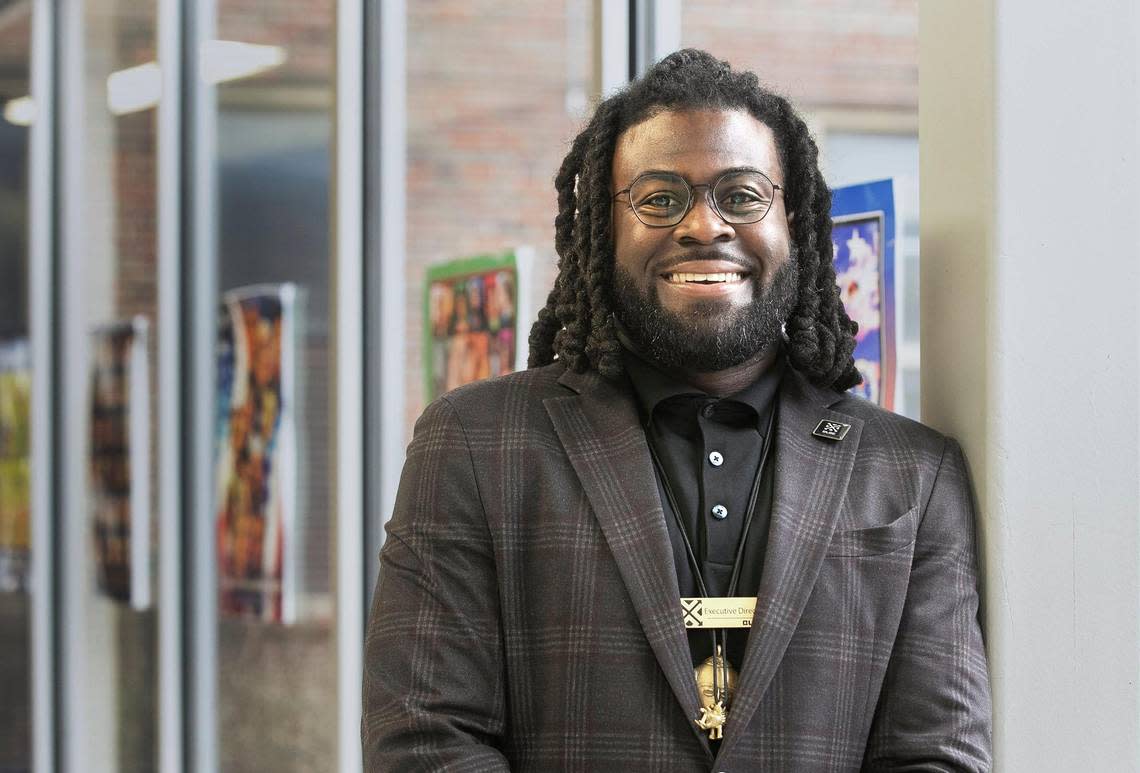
[702, 224]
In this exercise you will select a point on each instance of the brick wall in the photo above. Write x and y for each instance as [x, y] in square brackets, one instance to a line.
[303, 27]
[821, 53]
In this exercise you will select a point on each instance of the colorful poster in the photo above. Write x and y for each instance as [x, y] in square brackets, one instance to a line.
[15, 465]
[470, 321]
[119, 462]
[257, 469]
[863, 239]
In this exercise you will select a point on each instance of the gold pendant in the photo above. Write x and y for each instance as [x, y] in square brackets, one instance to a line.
[713, 719]
[716, 684]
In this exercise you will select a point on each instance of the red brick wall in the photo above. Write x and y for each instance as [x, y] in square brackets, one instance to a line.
[15, 48]
[821, 53]
[304, 28]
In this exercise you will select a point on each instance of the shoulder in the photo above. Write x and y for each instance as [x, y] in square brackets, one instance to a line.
[887, 427]
[877, 426]
[535, 383]
[892, 446]
[898, 461]
[513, 399]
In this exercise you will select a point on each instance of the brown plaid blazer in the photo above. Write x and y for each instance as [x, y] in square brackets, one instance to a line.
[527, 616]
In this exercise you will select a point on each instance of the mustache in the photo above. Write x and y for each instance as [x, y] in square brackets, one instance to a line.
[673, 261]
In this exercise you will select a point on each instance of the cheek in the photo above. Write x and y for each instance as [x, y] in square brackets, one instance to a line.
[773, 247]
[633, 246]
[621, 242]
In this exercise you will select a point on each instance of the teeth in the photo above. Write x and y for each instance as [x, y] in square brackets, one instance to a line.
[681, 278]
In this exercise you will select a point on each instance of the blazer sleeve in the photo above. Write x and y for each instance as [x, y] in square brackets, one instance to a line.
[934, 709]
[433, 658]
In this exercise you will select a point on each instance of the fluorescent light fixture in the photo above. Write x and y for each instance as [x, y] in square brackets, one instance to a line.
[231, 60]
[134, 89]
[140, 88]
[20, 111]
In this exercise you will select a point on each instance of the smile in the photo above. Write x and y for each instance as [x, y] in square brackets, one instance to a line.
[681, 278]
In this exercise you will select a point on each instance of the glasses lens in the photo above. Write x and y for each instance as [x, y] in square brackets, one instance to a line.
[660, 199]
[743, 197]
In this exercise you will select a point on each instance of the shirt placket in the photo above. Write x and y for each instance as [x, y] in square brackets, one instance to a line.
[718, 511]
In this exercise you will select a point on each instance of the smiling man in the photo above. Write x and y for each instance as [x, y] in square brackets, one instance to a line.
[675, 542]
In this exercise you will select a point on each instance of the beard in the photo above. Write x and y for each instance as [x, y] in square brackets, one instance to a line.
[706, 337]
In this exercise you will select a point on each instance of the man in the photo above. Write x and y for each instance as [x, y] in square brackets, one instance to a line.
[563, 536]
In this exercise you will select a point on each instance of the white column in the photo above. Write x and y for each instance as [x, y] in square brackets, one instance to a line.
[171, 652]
[347, 410]
[611, 46]
[41, 321]
[1030, 177]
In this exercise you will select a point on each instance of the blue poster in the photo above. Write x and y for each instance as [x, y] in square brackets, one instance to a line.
[863, 244]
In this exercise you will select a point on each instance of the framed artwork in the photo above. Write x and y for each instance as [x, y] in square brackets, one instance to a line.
[863, 239]
[119, 462]
[15, 465]
[471, 313]
[258, 487]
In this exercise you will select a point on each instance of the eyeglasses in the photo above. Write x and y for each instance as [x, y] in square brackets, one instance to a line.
[663, 199]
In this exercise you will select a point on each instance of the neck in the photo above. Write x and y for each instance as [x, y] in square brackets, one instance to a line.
[726, 382]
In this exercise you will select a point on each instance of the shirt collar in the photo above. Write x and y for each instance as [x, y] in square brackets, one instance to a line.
[653, 386]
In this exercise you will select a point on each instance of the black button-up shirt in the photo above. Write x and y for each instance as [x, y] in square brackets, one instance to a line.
[710, 450]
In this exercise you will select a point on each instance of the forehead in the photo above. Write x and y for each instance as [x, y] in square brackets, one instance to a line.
[696, 144]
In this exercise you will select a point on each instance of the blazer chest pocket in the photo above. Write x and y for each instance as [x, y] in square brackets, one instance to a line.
[876, 540]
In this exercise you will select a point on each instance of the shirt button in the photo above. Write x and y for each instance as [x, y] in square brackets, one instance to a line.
[715, 459]
[720, 512]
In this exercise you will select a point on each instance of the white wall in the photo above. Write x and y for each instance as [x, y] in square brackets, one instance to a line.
[1030, 350]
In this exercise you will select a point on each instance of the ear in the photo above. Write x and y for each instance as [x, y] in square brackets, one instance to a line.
[791, 217]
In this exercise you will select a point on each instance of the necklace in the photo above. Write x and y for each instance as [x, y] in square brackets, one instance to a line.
[716, 678]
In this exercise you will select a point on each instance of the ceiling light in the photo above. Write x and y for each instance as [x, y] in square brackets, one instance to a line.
[134, 89]
[230, 60]
[20, 111]
[140, 88]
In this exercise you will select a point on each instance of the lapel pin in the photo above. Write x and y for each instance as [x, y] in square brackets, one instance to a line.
[831, 430]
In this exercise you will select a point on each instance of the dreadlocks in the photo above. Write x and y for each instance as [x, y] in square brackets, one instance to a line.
[577, 325]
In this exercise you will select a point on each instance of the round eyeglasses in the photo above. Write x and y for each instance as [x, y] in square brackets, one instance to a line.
[663, 199]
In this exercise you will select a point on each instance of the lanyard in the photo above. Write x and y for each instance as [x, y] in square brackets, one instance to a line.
[739, 558]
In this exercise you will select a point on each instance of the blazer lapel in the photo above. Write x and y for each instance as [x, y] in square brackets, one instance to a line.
[603, 437]
[811, 479]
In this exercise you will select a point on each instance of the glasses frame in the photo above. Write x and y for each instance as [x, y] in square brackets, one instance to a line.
[628, 193]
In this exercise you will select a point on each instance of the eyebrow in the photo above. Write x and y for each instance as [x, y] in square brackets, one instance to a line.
[721, 173]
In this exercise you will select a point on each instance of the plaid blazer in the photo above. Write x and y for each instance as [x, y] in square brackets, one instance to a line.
[527, 617]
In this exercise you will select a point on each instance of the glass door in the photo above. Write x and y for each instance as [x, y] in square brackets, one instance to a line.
[16, 116]
[110, 311]
[271, 69]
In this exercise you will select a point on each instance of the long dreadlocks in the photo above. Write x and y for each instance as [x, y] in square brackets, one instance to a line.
[577, 325]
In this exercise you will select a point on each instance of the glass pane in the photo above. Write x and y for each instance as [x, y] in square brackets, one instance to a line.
[273, 65]
[119, 242]
[15, 378]
[488, 126]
